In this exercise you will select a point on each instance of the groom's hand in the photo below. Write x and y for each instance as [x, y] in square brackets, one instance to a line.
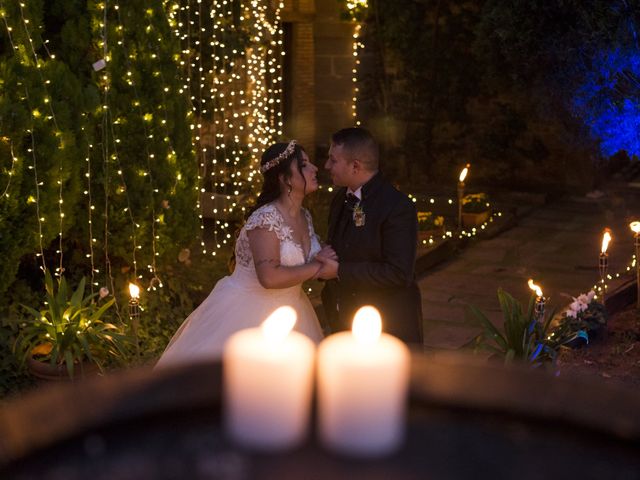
[327, 252]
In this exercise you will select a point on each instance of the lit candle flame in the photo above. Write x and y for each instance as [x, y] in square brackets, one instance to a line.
[279, 324]
[635, 226]
[367, 325]
[606, 238]
[463, 173]
[535, 287]
[134, 291]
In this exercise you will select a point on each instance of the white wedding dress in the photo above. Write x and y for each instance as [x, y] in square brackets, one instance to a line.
[239, 301]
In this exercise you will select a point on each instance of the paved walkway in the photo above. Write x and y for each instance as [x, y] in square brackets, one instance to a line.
[557, 245]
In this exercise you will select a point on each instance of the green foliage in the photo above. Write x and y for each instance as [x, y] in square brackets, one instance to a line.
[429, 221]
[487, 82]
[69, 329]
[541, 43]
[13, 377]
[475, 203]
[355, 10]
[418, 75]
[525, 337]
[126, 173]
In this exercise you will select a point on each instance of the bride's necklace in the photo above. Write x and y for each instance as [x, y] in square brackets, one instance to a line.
[298, 224]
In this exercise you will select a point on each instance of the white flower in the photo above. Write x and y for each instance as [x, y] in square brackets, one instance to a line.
[571, 313]
[104, 291]
[583, 299]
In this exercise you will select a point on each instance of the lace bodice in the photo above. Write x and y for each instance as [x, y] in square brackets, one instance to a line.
[291, 252]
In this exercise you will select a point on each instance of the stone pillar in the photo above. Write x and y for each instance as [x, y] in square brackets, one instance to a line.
[334, 66]
[301, 123]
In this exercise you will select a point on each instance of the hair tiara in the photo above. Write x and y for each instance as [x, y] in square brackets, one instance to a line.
[275, 161]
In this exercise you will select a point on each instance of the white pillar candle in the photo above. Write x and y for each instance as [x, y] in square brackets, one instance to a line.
[268, 380]
[363, 380]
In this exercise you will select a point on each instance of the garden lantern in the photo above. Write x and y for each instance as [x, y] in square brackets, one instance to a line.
[635, 227]
[540, 300]
[134, 309]
[463, 175]
[603, 261]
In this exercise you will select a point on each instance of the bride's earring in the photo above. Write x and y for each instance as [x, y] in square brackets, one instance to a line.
[289, 190]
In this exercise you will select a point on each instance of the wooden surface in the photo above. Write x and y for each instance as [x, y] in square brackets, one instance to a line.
[467, 420]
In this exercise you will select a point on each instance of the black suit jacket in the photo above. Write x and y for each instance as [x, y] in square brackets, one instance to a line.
[377, 261]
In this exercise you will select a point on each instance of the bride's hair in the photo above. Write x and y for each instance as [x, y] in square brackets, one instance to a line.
[271, 184]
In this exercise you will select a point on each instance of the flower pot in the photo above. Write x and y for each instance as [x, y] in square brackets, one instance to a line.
[470, 220]
[58, 373]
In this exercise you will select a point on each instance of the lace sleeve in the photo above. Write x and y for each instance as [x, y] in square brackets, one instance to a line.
[269, 218]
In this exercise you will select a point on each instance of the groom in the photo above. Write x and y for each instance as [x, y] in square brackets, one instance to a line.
[373, 229]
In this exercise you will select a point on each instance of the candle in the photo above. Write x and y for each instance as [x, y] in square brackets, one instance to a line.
[268, 380]
[363, 379]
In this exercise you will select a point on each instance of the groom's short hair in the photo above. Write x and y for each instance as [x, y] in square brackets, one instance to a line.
[358, 143]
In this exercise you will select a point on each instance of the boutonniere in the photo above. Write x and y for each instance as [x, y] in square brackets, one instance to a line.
[358, 215]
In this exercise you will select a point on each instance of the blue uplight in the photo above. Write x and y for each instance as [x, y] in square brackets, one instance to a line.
[609, 101]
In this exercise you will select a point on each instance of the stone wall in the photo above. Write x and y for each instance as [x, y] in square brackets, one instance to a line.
[320, 67]
[300, 117]
[334, 64]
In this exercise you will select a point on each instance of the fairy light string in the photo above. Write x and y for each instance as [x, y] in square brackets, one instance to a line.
[57, 132]
[12, 169]
[25, 60]
[152, 146]
[179, 19]
[232, 75]
[356, 11]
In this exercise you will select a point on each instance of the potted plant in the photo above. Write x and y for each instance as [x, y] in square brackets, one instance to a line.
[68, 333]
[476, 209]
[429, 225]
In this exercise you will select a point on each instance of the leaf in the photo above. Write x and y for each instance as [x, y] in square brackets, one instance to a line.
[509, 356]
[85, 346]
[536, 352]
[490, 329]
[42, 349]
[68, 357]
[76, 298]
[98, 313]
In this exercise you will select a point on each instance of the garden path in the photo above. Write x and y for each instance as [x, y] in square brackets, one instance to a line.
[557, 244]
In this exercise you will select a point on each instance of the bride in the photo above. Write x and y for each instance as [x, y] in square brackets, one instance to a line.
[277, 249]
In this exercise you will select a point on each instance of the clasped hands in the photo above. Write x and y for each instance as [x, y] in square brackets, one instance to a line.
[327, 261]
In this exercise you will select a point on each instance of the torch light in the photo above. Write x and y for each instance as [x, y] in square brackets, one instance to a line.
[540, 300]
[635, 227]
[603, 261]
[134, 310]
[463, 175]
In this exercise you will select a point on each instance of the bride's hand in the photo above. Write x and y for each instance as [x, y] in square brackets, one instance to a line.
[328, 270]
